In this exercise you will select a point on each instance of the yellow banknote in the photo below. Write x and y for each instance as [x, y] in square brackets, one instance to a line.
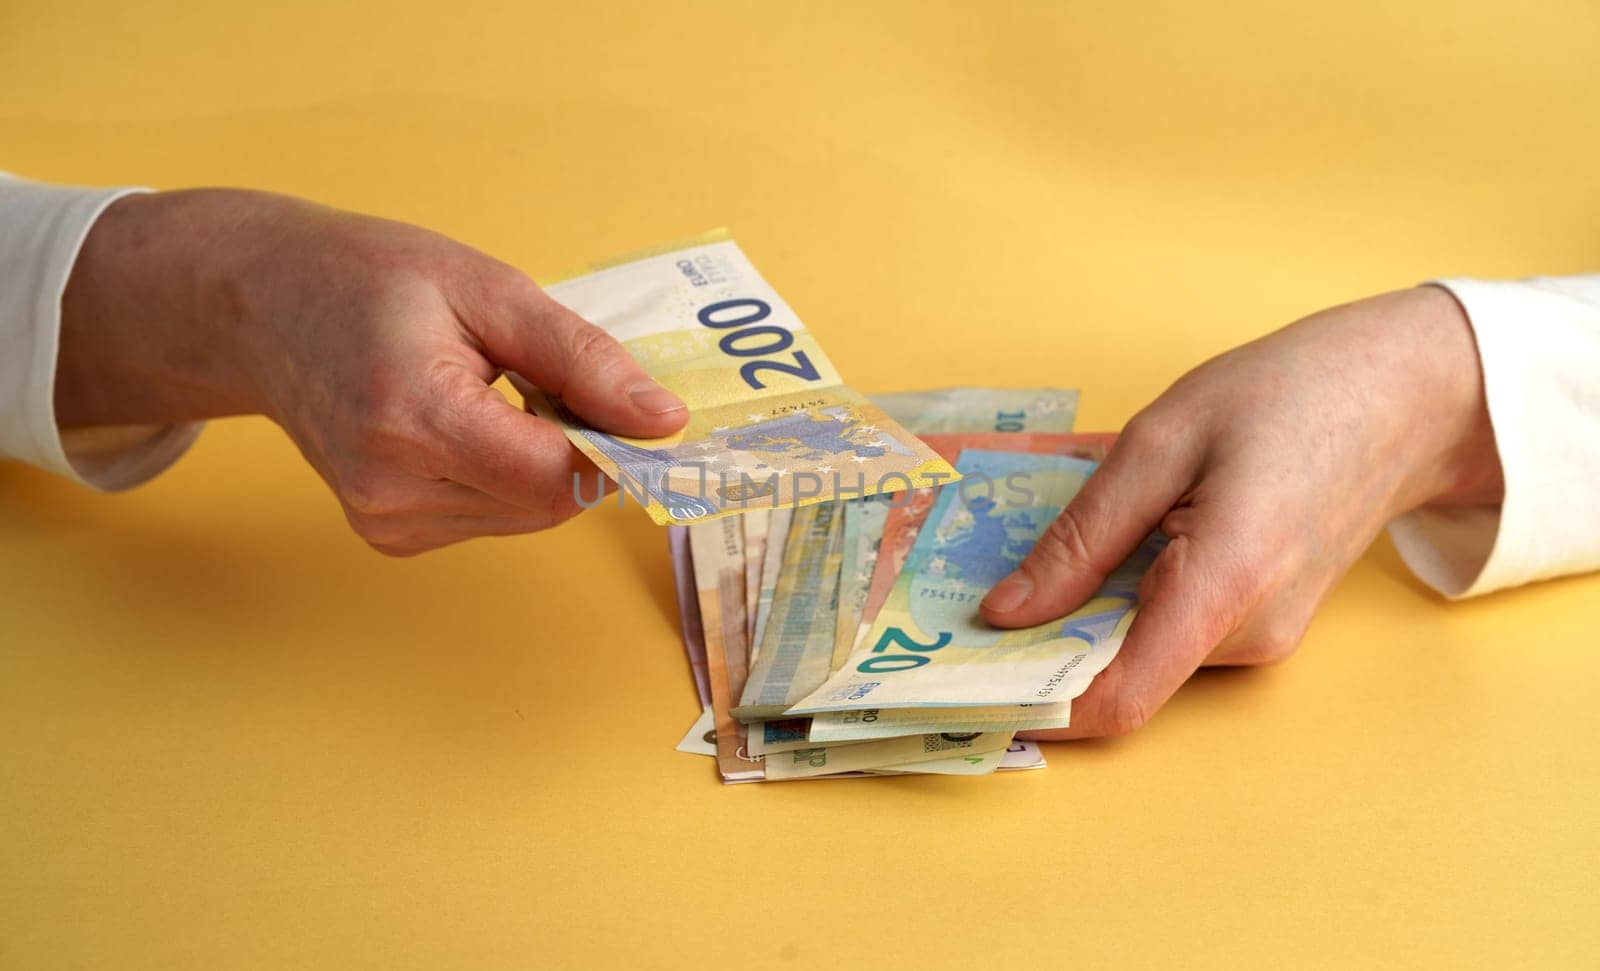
[771, 423]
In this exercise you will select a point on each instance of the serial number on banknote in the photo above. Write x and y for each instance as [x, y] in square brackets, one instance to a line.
[955, 596]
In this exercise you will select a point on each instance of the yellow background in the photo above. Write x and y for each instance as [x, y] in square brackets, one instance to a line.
[231, 736]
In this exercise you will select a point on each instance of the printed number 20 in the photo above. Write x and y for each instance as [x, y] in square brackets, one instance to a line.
[738, 342]
[895, 637]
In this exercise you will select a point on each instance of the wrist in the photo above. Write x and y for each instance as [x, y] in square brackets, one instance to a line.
[1456, 462]
[148, 326]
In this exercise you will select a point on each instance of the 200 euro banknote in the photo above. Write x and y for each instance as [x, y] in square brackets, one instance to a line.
[771, 423]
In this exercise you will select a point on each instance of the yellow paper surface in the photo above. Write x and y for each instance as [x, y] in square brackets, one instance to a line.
[233, 737]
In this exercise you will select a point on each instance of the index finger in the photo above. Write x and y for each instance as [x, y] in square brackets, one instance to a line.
[516, 457]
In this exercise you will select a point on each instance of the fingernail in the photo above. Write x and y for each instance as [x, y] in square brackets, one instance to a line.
[652, 397]
[1009, 594]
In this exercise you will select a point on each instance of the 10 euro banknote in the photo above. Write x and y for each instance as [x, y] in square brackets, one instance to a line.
[771, 423]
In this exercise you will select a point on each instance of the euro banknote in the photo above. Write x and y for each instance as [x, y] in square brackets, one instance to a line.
[789, 674]
[771, 423]
[1020, 755]
[947, 410]
[863, 532]
[751, 563]
[1091, 446]
[928, 647]
[755, 525]
[694, 644]
[804, 763]
[701, 738]
[907, 512]
[778, 521]
[854, 726]
[981, 763]
[900, 528]
[716, 548]
[796, 651]
[766, 737]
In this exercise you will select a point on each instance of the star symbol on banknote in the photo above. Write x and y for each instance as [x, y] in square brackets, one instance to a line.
[705, 446]
[868, 428]
[824, 469]
[858, 459]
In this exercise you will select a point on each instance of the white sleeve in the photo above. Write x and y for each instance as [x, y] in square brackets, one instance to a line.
[42, 227]
[1539, 342]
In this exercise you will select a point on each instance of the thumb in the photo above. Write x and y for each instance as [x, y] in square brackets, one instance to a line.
[1122, 502]
[572, 359]
[1190, 600]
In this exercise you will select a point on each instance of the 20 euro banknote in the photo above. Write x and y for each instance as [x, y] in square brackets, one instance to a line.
[928, 647]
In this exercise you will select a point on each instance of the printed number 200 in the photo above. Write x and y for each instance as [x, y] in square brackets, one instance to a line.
[745, 340]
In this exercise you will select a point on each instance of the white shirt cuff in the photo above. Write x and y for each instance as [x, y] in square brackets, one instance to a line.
[1539, 343]
[42, 229]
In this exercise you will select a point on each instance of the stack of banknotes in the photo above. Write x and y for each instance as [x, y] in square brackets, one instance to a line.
[830, 549]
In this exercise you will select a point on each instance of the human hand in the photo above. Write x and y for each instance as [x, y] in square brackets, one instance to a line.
[1270, 469]
[372, 343]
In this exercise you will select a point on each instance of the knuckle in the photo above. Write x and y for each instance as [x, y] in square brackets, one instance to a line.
[1127, 713]
[371, 495]
[1274, 645]
[590, 345]
[1064, 544]
[1219, 592]
[373, 529]
[505, 285]
[1150, 432]
[1258, 644]
[597, 363]
[560, 505]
